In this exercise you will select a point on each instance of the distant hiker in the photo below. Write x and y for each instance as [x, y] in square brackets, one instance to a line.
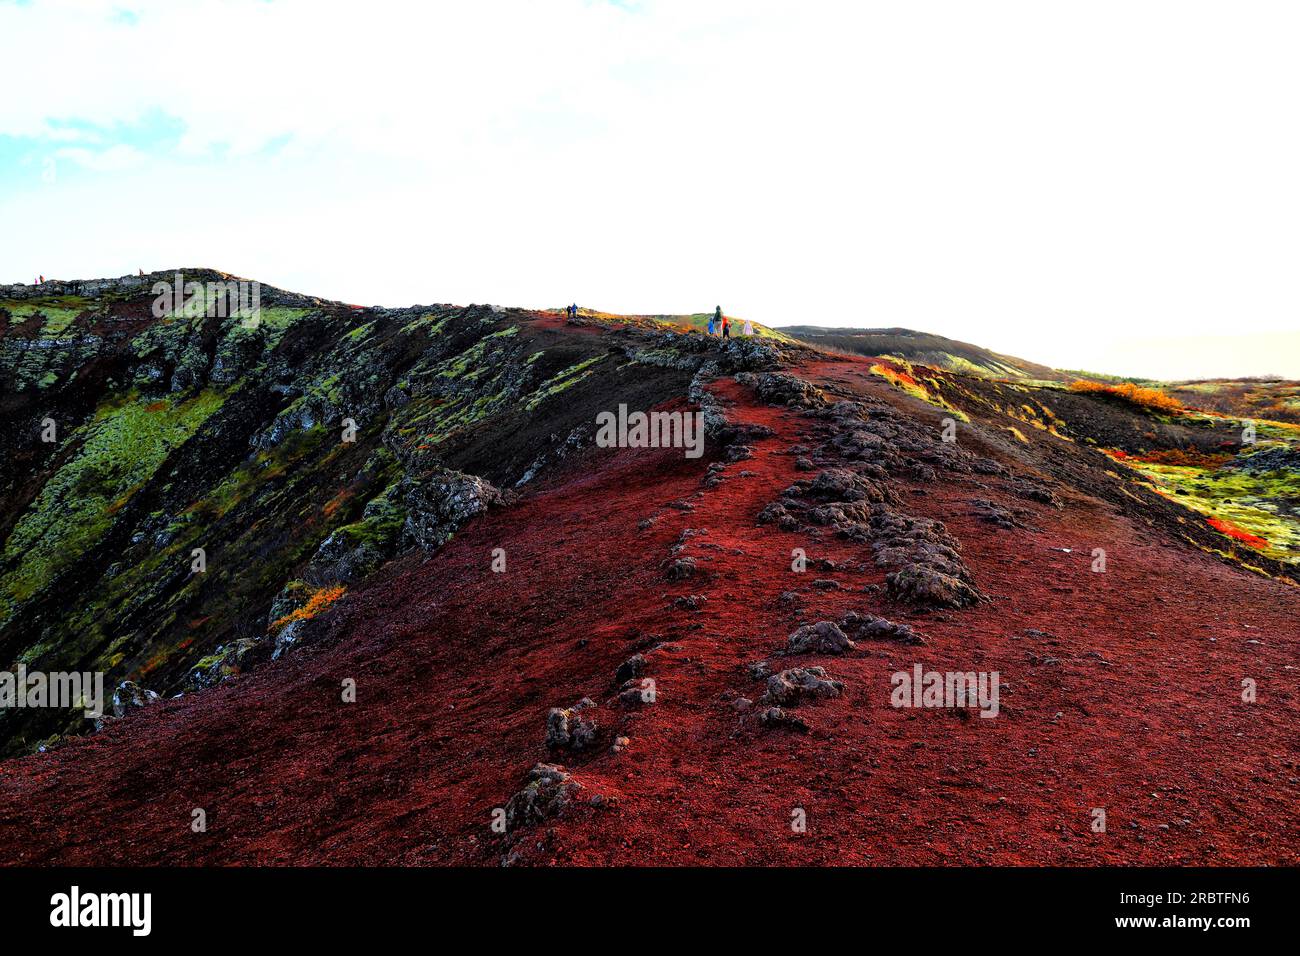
[748, 329]
[710, 325]
[141, 272]
[717, 315]
[40, 280]
[726, 327]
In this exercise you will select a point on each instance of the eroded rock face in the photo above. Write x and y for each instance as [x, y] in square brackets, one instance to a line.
[798, 684]
[548, 791]
[440, 502]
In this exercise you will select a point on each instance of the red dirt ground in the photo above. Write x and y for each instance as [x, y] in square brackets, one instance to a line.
[1134, 704]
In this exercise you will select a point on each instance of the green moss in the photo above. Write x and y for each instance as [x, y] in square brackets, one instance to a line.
[59, 312]
[117, 452]
[1264, 505]
[566, 379]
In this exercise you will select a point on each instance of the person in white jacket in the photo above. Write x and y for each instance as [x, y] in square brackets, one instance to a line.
[748, 329]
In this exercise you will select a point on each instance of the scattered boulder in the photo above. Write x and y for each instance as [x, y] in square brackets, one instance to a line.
[548, 791]
[800, 683]
[573, 728]
[681, 569]
[222, 663]
[870, 627]
[635, 692]
[926, 586]
[993, 513]
[824, 637]
[779, 388]
[131, 697]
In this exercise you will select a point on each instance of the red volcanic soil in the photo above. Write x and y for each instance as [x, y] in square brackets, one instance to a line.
[1122, 691]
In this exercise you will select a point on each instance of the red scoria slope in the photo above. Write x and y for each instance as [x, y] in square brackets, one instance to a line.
[1124, 694]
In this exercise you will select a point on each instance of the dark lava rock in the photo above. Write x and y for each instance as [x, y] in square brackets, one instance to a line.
[572, 728]
[131, 697]
[870, 627]
[681, 569]
[1281, 458]
[924, 585]
[224, 662]
[548, 791]
[777, 719]
[800, 683]
[631, 668]
[824, 637]
[440, 502]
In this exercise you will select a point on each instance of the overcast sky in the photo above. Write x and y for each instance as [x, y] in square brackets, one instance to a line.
[1106, 185]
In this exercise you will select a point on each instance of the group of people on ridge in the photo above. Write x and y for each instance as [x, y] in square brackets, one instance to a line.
[720, 324]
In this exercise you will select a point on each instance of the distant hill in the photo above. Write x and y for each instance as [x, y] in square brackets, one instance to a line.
[925, 348]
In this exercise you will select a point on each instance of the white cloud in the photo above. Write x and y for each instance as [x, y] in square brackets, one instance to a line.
[1040, 179]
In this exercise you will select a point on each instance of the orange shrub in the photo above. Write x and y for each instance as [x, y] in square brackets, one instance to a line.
[1151, 398]
[317, 603]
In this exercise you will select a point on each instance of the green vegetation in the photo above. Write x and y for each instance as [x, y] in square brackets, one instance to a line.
[1261, 510]
[566, 379]
[116, 453]
[59, 312]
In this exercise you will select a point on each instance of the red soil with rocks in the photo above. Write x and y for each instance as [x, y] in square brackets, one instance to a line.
[1126, 696]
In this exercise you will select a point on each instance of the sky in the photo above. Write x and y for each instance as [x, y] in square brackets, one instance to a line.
[1110, 186]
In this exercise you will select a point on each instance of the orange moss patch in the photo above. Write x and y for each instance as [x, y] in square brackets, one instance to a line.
[317, 603]
[1151, 398]
[1240, 534]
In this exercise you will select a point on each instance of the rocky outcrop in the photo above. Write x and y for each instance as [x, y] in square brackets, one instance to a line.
[130, 697]
[572, 728]
[440, 502]
[548, 791]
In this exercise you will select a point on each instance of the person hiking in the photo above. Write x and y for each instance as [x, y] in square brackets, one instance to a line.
[710, 325]
[748, 330]
[726, 327]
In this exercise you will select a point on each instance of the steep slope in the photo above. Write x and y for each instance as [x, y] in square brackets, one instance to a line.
[1121, 687]
[297, 454]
